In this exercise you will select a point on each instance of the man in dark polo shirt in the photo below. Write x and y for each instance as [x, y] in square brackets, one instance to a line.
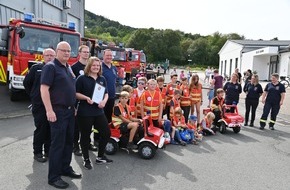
[58, 96]
[110, 74]
[41, 135]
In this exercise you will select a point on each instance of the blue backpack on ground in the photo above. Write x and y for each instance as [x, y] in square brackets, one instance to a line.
[185, 135]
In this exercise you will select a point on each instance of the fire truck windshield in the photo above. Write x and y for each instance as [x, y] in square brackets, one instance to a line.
[37, 40]
[119, 55]
[137, 55]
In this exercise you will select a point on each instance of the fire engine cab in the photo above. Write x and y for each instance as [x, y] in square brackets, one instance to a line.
[22, 43]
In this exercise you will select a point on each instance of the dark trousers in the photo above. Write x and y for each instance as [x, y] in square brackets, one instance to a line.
[101, 124]
[251, 105]
[60, 154]
[41, 136]
[186, 110]
[76, 134]
[274, 107]
[109, 109]
[217, 114]
[167, 111]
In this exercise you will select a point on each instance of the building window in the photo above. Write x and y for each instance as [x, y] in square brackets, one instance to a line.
[231, 64]
[236, 64]
[221, 69]
[225, 68]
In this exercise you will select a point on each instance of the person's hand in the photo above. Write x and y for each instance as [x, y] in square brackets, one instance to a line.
[102, 104]
[281, 103]
[89, 100]
[263, 101]
[51, 117]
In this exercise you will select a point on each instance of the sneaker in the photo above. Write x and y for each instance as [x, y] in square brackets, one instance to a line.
[39, 158]
[183, 143]
[87, 164]
[172, 141]
[131, 145]
[272, 128]
[93, 148]
[77, 152]
[194, 142]
[103, 160]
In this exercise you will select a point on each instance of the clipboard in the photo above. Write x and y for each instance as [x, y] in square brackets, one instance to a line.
[98, 94]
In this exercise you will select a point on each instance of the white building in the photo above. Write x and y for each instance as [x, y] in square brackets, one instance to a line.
[264, 57]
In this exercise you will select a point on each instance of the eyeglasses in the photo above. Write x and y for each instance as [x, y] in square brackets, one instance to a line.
[85, 52]
[142, 83]
[64, 50]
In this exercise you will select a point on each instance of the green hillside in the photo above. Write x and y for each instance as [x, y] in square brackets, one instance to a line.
[159, 45]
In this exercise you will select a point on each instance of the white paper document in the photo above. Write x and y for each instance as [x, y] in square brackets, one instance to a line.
[98, 93]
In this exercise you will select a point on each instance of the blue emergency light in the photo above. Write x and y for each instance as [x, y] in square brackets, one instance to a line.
[28, 17]
[72, 25]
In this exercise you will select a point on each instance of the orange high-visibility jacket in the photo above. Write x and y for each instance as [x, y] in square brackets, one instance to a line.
[151, 102]
[125, 113]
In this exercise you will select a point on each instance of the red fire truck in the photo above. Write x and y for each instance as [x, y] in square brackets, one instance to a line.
[129, 58]
[22, 43]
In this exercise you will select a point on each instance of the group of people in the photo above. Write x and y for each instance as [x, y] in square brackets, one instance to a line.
[65, 113]
[63, 107]
[272, 96]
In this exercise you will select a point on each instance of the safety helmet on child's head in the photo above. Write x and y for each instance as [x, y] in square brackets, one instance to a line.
[192, 118]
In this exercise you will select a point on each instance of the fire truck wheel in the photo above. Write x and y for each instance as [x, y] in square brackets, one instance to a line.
[14, 96]
[111, 147]
[147, 150]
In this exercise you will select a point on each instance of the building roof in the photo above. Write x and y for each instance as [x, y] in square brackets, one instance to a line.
[262, 43]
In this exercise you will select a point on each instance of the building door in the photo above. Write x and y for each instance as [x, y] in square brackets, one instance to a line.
[273, 68]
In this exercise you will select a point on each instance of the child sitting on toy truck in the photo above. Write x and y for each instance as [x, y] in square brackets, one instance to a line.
[123, 120]
[217, 106]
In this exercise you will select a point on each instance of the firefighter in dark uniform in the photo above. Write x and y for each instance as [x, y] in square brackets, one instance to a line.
[58, 94]
[273, 97]
[78, 69]
[41, 135]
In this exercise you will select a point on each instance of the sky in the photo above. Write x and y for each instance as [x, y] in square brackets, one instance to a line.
[255, 19]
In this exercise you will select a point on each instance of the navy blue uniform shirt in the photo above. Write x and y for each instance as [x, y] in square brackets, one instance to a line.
[78, 68]
[274, 92]
[232, 91]
[110, 75]
[61, 82]
[32, 83]
[86, 85]
[254, 91]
